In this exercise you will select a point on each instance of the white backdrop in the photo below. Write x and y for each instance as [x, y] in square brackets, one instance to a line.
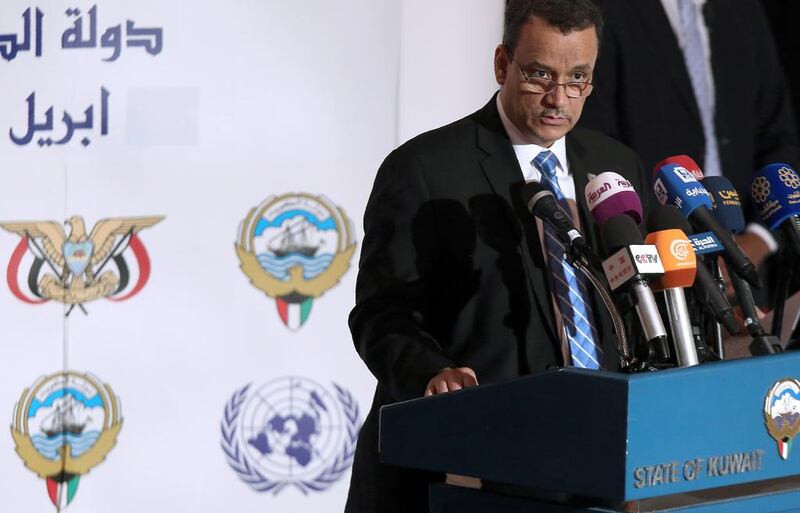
[246, 100]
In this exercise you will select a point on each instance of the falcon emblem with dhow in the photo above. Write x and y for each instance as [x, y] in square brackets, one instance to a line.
[294, 248]
[109, 262]
[63, 427]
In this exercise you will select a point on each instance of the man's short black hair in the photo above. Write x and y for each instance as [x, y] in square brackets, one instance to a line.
[566, 15]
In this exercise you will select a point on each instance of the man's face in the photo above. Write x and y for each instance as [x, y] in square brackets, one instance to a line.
[543, 51]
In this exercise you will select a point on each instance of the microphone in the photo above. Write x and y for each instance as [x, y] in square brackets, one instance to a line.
[705, 288]
[675, 185]
[628, 268]
[542, 204]
[729, 213]
[610, 194]
[727, 205]
[684, 161]
[775, 190]
[680, 266]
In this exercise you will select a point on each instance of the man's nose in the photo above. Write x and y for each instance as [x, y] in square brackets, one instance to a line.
[557, 97]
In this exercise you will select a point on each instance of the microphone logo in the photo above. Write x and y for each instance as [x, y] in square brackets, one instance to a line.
[684, 174]
[660, 191]
[760, 189]
[789, 177]
[680, 249]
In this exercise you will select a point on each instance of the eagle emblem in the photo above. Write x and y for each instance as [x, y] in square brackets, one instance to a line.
[78, 267]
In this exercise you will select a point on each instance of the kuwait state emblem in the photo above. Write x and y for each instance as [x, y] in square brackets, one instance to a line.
[290, 432]
[74, 269]
[782, 413]
[294, 248]
[64, 426]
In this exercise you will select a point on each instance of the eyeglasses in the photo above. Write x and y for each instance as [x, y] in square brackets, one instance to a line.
[540, 85]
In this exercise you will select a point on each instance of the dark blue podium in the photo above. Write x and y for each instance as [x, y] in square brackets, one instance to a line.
[713, 438]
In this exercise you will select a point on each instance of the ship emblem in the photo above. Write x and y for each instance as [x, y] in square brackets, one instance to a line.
[109, 262]
[64, 426]
[782, 413]
[294, 248]
[290, 432]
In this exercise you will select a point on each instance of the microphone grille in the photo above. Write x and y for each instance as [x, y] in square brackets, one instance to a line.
[667, 217]
[620, 231]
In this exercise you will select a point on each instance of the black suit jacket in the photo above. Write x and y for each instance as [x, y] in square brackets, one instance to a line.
[643, 95]
[452, 274]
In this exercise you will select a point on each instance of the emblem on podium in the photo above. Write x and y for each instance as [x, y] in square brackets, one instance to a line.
[782, 413]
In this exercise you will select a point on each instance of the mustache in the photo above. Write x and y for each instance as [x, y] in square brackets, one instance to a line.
[557, 113]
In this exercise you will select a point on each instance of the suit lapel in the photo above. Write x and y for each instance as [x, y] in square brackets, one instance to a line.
[654, 19]
[502, 172]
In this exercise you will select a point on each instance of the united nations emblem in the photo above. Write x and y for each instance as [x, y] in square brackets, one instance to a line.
[290, 432]
[64, 426]
[782, 413]
[294, 248]
[75, 269]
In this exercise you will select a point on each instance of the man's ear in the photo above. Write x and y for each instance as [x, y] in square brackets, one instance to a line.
[500, 64]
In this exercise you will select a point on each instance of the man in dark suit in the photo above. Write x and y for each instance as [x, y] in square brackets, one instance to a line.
[647, 97]
[454, 287]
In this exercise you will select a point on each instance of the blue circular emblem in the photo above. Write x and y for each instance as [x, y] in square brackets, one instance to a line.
[290, 431]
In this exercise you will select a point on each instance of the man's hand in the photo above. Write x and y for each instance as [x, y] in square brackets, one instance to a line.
[753, 246]
[451, 379]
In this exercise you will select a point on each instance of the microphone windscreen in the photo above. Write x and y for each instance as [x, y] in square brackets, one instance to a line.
[775, 190]
[533, 191]
[727, 205]
[674, 185]
[677, 256]
[684, 161]
[618, 232]
[610, 194]
[667, 217]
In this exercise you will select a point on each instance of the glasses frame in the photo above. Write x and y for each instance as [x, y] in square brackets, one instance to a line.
[552, 84]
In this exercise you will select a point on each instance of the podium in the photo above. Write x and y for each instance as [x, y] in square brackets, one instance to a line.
[689, 439]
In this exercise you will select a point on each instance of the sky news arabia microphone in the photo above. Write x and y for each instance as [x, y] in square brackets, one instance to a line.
[628, 269]
[680, 266]
[676, 185]
[775, 190]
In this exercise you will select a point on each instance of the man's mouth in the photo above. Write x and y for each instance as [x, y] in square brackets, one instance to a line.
[554, 120]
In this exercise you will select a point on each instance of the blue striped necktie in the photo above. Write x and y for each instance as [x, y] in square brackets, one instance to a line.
[695, 57]
[568, 285]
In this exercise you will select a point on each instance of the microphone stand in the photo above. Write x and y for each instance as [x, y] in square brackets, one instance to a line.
[784, 261]
[763, 343]
[623, 346]
[716, 328]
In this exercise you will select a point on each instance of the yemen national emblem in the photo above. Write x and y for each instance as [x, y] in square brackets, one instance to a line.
[65, 425]
[290, 432]
[294, 248]
[782, 413]
[74, 269]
